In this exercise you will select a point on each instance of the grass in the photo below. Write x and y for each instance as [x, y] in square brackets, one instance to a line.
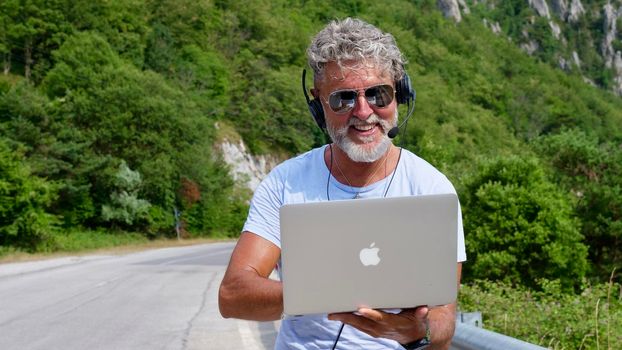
[85, 242]
[550, 318]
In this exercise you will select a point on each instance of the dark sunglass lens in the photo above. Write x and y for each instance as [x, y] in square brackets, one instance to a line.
[342, 101]
[380, 96]
[347, 95]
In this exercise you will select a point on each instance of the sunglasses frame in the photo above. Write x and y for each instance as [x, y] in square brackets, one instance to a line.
[358, 92]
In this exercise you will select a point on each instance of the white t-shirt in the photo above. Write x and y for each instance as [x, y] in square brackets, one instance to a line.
[306, 179]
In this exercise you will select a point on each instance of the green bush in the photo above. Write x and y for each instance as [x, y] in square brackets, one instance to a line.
[519, 226]
[125, 207]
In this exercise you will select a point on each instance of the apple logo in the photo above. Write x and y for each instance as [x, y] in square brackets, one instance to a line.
[369, 256]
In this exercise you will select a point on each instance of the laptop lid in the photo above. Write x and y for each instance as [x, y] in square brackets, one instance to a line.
[381, 253]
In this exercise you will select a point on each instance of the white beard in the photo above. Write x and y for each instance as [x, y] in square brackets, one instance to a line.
[358, 152]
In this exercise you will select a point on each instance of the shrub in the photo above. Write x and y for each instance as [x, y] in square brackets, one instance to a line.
[519, 226]
[125, 207]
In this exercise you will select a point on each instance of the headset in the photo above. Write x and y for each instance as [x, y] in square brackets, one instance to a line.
[404, 94]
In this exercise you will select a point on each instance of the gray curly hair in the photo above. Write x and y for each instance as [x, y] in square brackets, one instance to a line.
[353, 40]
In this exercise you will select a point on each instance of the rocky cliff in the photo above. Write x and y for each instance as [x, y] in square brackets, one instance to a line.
[245, 168]
[582, 38]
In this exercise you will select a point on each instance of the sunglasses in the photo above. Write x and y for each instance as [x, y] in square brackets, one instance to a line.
[343, 101]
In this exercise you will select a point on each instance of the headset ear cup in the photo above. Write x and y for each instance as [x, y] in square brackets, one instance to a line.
[404, 92]
[315, 107]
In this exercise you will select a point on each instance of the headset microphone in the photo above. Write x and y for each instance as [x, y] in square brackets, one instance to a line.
[393, 132]
[411, 108]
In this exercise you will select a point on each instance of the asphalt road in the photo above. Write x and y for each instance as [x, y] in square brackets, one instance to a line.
[156, 299]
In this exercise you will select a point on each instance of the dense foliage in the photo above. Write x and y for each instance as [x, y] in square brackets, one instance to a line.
[87, 111]
[108, 108]
[23, 202]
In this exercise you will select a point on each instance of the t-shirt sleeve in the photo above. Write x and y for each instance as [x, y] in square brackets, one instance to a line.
[263, 215]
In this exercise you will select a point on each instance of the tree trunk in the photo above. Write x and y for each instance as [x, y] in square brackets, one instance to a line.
[28, 57]
[6, 63]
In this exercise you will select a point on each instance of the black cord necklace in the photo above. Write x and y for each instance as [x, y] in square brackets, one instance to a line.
[330, 171]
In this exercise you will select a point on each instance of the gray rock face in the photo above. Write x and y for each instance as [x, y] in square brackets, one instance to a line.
[450, 9]
[496, 27]
[569, 13]
[245, 167]
[576, 11]
[560, 8]
[530, 47]
[610, 56]
[563, 63]
[464, 7]
[617, 81]
[610, 17]
[575, 59]
[555, 29]
[541, 7]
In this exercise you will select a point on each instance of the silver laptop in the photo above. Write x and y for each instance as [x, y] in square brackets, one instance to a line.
[382, 253]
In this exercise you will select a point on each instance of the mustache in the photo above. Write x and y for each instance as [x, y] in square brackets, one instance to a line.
[371, 120]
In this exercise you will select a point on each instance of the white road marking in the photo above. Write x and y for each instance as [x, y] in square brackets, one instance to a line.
[249, 339]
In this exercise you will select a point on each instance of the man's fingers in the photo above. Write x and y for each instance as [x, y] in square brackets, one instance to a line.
[370, 314]
[359, 322]
[374, 315]
[381, 324]
[422, 312]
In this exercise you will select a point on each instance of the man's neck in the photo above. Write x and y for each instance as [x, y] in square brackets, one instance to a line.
[359, 174]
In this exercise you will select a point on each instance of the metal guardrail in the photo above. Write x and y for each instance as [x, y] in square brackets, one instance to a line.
[470, 336]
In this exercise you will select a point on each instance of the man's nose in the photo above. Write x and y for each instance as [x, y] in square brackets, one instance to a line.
[362, 109]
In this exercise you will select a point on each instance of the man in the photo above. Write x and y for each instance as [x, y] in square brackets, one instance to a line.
[356, 68]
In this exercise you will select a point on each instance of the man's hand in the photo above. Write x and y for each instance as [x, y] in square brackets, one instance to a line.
[404, 327]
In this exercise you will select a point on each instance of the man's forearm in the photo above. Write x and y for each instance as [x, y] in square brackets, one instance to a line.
[251, 297]
[442, 321]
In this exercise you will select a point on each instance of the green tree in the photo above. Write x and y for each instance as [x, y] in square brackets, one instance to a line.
[188, 22]
[6, 23]
[125, 207]
[35, 28]
[24, 199]
[519, 226]
[136, 116]
[123, 24]
[83, 61]
[205, 75]
[160, 51]
[592, 172]
[53, 147]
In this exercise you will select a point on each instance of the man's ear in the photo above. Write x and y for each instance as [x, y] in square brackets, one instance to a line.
[315, 92]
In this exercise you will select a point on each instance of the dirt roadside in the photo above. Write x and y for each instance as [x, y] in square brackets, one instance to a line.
[118, 250]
